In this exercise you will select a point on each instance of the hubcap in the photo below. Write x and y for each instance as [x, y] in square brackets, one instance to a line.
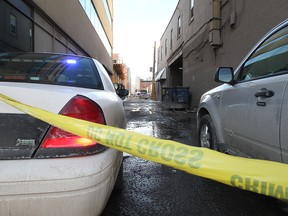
[205, 138]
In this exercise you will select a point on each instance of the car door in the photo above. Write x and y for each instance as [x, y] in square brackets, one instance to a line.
[284, 127]
[251, 108]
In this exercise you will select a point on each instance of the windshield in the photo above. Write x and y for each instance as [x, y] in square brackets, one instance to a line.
[57, 69]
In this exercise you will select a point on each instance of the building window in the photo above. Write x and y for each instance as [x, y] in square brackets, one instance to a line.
[171, 39]
[107, 11]
[95, 21]
[179, 26]
[191, 9]
[165, 47]
[13, 24]
[161, 53]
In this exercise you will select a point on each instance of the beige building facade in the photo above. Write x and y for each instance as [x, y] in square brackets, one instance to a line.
[205, 34]
[83, 27]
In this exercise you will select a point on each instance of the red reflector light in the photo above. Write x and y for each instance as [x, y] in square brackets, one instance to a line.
[14, 77]
[78, 107]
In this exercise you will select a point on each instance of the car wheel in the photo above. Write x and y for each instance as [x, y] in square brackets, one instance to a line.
[207, 134]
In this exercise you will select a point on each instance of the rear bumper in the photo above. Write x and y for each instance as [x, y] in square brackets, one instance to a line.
[66, 186]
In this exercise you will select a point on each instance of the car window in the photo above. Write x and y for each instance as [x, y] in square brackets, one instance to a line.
[55, 69]
[269, 59]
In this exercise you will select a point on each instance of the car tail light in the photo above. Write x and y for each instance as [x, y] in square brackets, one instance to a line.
[70, 144]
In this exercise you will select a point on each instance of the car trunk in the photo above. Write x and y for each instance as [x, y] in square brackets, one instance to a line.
[20, 135]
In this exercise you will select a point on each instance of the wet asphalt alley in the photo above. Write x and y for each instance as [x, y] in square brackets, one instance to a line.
[154, 189]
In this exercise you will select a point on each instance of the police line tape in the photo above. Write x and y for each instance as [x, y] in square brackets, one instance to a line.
[259, 176]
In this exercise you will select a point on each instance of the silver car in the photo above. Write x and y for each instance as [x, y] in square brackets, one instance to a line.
[248, 115]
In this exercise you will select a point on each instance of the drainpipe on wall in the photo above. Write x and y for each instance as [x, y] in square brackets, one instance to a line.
[215, 23]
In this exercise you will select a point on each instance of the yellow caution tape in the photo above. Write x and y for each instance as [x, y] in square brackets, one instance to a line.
[259, 176]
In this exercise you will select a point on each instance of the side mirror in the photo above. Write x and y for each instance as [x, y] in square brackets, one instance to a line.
[120, 90]
[122, 93]
[224, 75]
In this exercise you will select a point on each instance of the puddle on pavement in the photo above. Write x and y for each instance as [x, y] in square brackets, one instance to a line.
[145, 128]
[149, 118]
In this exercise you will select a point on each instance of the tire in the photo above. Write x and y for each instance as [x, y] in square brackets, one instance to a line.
[207, 134]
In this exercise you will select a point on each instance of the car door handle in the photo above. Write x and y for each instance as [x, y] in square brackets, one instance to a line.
[264, 93]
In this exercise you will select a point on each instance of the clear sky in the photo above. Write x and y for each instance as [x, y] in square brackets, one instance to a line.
[137, 24]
